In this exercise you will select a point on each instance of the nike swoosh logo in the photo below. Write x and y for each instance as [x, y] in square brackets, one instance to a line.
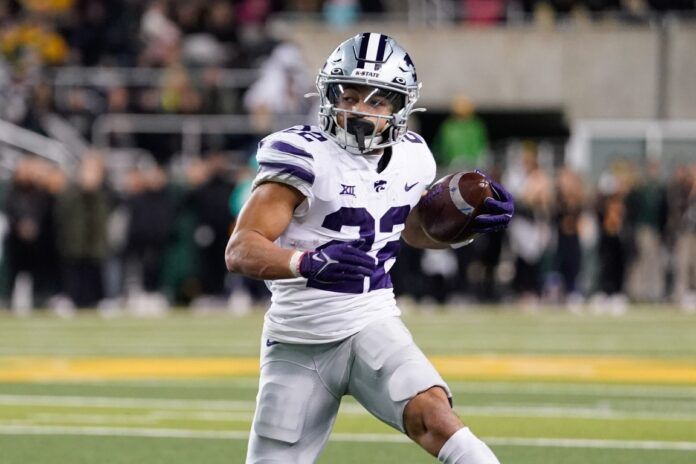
[270, 342]
[409, 187]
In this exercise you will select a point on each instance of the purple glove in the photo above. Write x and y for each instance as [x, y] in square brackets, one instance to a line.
[339, 262]
[497, 211]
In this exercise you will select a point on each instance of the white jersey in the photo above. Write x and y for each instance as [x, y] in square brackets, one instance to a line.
[346, 199]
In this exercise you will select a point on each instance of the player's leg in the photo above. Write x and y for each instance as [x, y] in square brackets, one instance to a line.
[294, 410]
[430, 422]
[394, 380]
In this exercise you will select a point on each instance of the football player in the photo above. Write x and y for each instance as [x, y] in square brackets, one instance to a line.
[322, 227]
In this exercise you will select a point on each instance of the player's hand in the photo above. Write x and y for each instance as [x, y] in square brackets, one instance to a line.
[339, 262]
[497, 211]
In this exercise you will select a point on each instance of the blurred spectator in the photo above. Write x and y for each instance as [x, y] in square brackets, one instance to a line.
[280, 88]
[341, 13]
[490, 246]
[647, 215]
[82, 108]
[14, 94]
[188, 16]
[372, 6]
[203, 50]
[221, 22]
[612, 245]
[160, 35]
[304, 6]
[440, 274]
[30, 244]
[33, 37]
[635, 10]
[38, 106]
[48, 6]
[152, 209]
[530, 229]
[616, 241]
[568, 215]
[178, 95]
[81, 218]
[408, 285]
[462, 140]
[118, 100]
[90, 38]
[209, 201]
[682, 226]
[483, 12]
[252, 12]
[214, 98]
[210, 32]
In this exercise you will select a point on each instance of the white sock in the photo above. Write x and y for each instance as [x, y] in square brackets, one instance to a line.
[464, 448]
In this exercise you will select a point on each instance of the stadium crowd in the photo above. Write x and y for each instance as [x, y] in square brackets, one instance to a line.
[154, 235]
[159, 238]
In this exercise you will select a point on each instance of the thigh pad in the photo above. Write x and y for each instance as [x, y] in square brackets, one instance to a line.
[282, 403]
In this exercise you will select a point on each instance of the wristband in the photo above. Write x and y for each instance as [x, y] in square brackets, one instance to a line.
[294, 264]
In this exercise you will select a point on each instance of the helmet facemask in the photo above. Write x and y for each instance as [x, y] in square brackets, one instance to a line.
[359, 131]
[384, 71]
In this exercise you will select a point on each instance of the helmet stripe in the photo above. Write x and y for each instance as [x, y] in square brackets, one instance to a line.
[381, 47]
[363, 49]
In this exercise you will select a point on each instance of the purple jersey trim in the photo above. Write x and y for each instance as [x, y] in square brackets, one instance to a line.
[285, 147]
[291, 169]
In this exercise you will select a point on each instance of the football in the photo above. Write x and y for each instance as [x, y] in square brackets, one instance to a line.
[446, 211]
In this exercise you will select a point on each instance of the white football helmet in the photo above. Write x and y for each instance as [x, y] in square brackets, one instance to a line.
[373, 60]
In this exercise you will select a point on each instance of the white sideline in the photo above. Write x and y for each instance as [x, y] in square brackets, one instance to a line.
[342, 437]
[457, 386]
[543, 410]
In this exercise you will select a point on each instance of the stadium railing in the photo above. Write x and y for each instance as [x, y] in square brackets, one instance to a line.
[14, 137]
[190, 127]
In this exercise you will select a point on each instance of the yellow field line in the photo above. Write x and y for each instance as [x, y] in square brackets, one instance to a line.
[576, 368]
[475, 367]
[22, 369]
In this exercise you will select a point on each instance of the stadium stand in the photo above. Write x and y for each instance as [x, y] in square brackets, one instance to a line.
[124, 122]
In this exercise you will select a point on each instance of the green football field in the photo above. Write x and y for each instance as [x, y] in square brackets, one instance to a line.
[549, 387]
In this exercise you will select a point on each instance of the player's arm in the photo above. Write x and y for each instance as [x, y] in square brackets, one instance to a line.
[250, 250]
[413, 233]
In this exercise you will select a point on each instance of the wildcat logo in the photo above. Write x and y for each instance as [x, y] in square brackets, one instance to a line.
[363, 73]
[379, 185]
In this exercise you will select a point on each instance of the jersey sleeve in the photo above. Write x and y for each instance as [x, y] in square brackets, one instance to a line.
[427, 166]
[282, 159]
